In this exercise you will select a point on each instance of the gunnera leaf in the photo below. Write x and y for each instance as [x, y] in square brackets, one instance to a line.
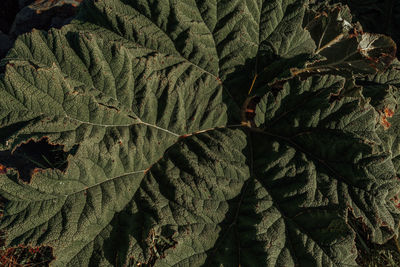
[168, 171]
[343, 46]
[384, 91]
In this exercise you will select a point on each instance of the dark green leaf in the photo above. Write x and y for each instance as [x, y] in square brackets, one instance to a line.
[170, 163]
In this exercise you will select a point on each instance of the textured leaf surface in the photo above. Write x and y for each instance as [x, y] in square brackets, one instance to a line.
[336, 142]
[383, 90]
[176, 165]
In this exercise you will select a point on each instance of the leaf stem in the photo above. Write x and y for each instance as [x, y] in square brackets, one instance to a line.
[252, 84]
[396, 241]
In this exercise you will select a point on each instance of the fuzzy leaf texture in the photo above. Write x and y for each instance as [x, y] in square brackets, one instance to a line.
[177, 162]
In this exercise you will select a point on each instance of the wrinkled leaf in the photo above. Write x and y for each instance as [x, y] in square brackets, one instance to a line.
[173, 164]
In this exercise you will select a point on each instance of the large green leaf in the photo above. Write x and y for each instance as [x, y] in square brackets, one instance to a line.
[337, 143]
[175, 165]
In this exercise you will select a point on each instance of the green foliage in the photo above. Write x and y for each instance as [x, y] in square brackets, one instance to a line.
[203, 133]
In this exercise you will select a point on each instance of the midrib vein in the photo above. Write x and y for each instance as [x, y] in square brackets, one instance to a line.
[124, 125]
[105, 181]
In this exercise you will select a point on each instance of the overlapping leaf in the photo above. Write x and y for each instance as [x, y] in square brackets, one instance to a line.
[330, 138]
[376, 16]
[344, 46]
[165, 173]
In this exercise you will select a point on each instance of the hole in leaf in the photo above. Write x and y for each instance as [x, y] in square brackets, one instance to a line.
[32, 156]
[26, 256]
[159, 243]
